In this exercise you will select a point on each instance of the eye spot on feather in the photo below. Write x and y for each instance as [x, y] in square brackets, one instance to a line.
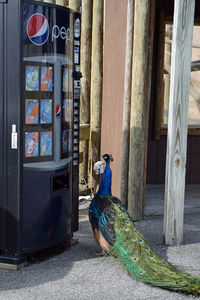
[172, 274]
[142, 272]
[134, 239]
[127, 222]
[135, 259]
[126, 228]
[135, 230]
[120, 231]
[146, 248]
[151, 255]
[140, 241]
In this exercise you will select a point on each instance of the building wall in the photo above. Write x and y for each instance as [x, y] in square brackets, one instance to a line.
[157, 148]
[113, 89]
[113, 85]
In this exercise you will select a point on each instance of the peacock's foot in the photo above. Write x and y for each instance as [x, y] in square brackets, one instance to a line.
[101, 253]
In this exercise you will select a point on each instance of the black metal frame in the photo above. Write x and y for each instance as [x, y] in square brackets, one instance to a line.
[65, 124]
[76, 120]
[11, 96]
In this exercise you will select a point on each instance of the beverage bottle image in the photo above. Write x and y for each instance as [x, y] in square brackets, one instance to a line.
[32, 78]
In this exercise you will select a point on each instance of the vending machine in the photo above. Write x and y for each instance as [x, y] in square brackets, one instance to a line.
[39, 126]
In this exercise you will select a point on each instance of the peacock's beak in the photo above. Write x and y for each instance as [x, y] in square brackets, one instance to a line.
[111, 158]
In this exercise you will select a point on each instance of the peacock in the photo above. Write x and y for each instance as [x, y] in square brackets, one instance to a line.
[116, 233]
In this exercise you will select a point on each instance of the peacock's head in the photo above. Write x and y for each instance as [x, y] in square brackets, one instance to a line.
[107, 157]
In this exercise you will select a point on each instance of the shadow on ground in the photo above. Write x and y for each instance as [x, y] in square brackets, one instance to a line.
[79, 274]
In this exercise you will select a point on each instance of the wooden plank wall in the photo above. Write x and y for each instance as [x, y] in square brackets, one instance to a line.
[113, 85]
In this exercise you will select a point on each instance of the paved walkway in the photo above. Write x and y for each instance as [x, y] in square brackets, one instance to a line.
[155, 199]
[79, 274]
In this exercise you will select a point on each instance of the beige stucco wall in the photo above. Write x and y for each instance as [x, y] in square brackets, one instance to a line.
[113, 85]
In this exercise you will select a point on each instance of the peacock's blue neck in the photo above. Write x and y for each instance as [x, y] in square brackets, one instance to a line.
[105, 186]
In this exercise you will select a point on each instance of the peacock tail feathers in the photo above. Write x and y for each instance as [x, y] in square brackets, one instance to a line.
[131, 249]
[117, 234]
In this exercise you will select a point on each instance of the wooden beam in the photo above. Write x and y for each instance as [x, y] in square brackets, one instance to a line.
[168, 41]
[84, 132]
[75, 5]
[166, 81]
[96, 84]
[159, 75]
[86, 45]
[148, 96]
[127, 103]
[61, 2]
[178, 121]
[49, 1]
[166, 97]
[138, 109]
[195, 94]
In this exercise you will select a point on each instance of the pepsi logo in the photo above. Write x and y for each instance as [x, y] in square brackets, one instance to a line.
[58, 111]
[38, 29]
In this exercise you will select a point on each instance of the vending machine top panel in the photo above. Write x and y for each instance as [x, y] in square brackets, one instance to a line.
[46, 30]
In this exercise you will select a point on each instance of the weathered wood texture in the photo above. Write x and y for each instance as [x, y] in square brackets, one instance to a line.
[75, 5]
[49, 1]
[84, 132]
[86, 44]
[166, 97]
[149, 85]
[178, 121]
[159, 74]
[96, 83]
[167, 60]
[61, 2]
[127, 103]
[138, 109]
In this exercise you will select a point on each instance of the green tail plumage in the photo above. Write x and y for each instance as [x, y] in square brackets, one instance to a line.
[116, 233]
[141, 261]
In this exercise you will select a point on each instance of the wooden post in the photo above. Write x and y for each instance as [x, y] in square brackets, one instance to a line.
[86, 44]
[148, 96]
[96, 83]
[167, 60]
[127, 103]
[178, 121]
[49, 1]
[138, 109]
[75, 5]
[61, 2]
[159, 75]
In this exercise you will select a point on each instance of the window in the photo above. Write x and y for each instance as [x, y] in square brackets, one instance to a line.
[163, 83]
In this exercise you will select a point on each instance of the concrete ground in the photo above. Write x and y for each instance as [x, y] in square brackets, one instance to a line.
[79, 274]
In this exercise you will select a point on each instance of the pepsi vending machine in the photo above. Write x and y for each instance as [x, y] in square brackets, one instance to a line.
[39, 130]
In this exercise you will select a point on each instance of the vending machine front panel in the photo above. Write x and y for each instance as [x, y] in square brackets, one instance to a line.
[47, 124]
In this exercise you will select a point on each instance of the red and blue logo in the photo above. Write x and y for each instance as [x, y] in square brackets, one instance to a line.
[38, 29]
[58, 111]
